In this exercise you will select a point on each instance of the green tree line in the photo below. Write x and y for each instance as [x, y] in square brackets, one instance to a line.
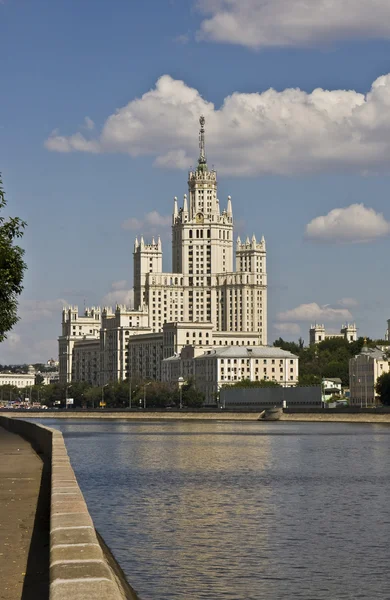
[114, 395]
[329, 358]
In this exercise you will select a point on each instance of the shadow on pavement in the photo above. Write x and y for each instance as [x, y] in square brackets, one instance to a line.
[37, 578]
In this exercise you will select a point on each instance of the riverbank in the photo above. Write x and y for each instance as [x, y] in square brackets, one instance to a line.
[324, 416]
[66, 556]
[24, 521]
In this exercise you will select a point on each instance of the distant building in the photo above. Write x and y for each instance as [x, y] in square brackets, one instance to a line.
[364, 370]
[318, 334]
[19, 380]
[227, 365]
[331, 386]
[52, 362]
[75, 328]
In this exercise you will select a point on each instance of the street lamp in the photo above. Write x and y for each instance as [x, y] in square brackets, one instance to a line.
[145, 384]
[180, 383]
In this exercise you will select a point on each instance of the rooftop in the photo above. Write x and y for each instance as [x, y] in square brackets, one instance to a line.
[248, 352]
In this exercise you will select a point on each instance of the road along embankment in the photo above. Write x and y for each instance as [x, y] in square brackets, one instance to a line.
[81, 565]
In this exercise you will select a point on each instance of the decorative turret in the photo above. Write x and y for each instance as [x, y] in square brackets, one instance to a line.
[185, 205]
[229, 210]
[175, 210]
[136, 243]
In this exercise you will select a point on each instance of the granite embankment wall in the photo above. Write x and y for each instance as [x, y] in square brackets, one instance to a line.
[144, 415]
[338, 415]
[81, 566]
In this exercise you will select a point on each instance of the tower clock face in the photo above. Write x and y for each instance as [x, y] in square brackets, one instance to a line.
[199, 218]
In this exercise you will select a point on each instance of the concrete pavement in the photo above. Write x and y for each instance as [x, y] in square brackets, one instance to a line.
[24, 521]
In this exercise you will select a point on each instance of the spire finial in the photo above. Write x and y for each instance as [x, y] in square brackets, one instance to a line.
[202, 165]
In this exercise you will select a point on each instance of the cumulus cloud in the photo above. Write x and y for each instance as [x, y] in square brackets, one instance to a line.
[119, 294]
[119, 285]
[289, 328]
[88, 123]
[150, 224]
[264, 23]
[314, 312]
[279, 132]
[353, 224]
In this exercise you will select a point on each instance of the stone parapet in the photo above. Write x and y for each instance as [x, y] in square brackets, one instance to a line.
[79, 567]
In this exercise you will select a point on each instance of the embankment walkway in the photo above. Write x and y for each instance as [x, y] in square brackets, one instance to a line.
[24, 521]
[49, 546]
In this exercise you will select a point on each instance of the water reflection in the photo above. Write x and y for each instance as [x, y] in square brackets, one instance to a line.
[240, 510]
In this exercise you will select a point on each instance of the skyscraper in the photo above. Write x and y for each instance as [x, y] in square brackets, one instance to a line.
[203, 286]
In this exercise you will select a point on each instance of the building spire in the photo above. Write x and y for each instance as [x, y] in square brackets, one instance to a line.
[202, 163]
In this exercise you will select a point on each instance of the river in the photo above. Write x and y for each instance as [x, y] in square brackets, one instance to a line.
[239, 511]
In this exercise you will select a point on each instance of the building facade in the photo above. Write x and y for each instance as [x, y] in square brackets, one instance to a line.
[75, 328]
[318, 333]
[217, 367]
[364, 370]
[19, 380]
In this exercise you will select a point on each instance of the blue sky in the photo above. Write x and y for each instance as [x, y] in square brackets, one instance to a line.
[98, 126]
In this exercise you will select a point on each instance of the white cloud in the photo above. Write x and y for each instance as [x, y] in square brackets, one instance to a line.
[34, 338]
[262, 23]
[36, 310]
[353, 224]
[119, 285]
[290, 328]
[348, 302]
[150, 224]
[76, 142]
[314, 312]
[119, 294]
[286, 132]
[89, 124]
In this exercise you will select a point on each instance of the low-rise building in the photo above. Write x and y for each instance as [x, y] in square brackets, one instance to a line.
[364, 370]
[227, 365]
[19, 380]
[331, 386]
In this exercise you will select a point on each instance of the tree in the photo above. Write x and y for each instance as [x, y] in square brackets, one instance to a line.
[382, 388]
[191, 397]
[12, 268]
[247, 383]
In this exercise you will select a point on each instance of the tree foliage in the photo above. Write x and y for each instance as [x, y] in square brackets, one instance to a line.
[383, 388]
[329, 358]
[12, 267]
[247, 383]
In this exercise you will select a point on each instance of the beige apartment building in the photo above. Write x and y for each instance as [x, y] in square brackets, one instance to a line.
[229, 364]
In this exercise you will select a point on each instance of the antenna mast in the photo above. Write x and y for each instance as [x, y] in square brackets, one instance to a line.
[202, 150]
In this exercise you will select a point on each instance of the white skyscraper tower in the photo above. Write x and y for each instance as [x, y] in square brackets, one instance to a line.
[203, 287]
